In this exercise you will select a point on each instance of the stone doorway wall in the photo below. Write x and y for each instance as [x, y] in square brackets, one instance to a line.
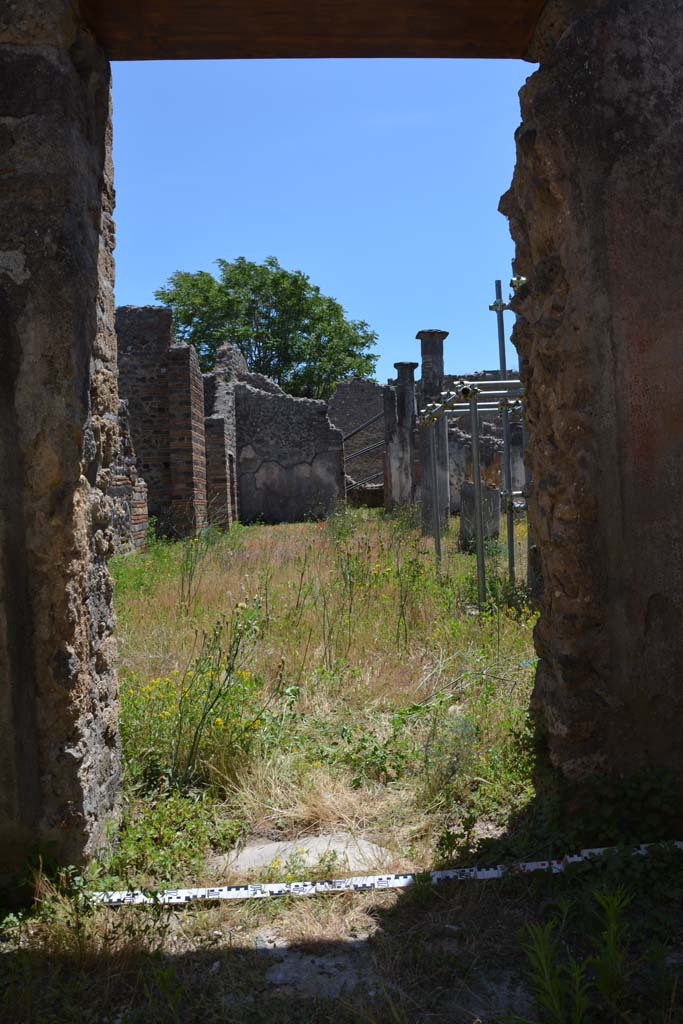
[597, 216]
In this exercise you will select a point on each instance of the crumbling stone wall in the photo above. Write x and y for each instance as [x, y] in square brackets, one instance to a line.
[186, 439]
[128, 493]
[596, 211]
[354, 402]
[144, 338]
[59, 746]
[490, 453]
[460, 460]
[290, 457]
[163, 386]
[400, 438]
[221, 437]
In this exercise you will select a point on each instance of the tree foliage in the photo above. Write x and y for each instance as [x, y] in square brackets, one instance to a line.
[282, 324]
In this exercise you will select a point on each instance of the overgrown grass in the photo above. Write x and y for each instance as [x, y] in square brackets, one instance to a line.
[318, 677]
[322, 676]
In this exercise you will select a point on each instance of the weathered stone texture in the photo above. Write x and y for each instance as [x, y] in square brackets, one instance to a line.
[144, 339]
[431, 388]
[491, 455]
[128, 492]
[221, 439]
[164, 388]
[353, 403]
[290, 458]
[596, 210]
[221, 448]
[59, 747]
[221, 493]
[460, 460]
[400, 418]
[186, 440]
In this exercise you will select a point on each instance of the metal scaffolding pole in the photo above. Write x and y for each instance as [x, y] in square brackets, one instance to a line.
[499, 307]
[436, 511]
[478, 511]
[531, 578]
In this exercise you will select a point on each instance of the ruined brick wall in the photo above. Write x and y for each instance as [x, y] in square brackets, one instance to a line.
[353, 402]
[221, 450]
[290, 458]
[596, 212]
[186, 439]
[128, 492]
[164, 389]
[59, 746]
[144, 339]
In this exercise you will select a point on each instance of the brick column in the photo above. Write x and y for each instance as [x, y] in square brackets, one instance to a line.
[399, 488]
[186, 439]
[144, 340]
[59, 747]
[432, 384]
[218, 472]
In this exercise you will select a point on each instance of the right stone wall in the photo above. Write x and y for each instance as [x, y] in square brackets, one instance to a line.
[596, 211]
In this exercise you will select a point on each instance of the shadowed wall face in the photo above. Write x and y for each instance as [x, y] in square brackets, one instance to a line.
[221, 440]
[596, 211]
[59, 746]
[353, 403]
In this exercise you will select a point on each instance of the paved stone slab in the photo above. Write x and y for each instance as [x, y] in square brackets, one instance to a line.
[353, 853]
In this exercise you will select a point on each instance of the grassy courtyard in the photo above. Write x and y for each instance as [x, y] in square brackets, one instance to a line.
[327, 677]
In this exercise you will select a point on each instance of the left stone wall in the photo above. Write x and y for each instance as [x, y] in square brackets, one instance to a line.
[59, 745]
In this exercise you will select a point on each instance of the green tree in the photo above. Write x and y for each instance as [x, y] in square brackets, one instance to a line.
[282, 324]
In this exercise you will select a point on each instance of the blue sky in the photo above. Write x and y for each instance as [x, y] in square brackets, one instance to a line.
[380, 179]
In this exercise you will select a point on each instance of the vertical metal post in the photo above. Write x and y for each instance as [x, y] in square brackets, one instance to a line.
[436, 511]
[507, 454]
[516, 283]
[478, 510]
[530, 569]
[507, 480]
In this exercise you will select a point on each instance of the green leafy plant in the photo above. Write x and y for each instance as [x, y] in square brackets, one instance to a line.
[604, 985]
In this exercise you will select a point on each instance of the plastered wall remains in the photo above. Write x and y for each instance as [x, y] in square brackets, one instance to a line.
[290, 457]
